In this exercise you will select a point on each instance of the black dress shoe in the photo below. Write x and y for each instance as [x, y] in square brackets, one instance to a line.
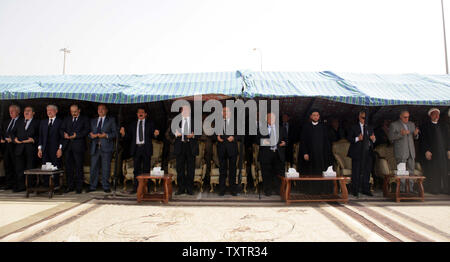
[179, 192]
[234, 194]
[368, 194]
[79, 191]
[355, 194]
[190, 193]
[68, 190]
[268, 193]
[107, 190]
[133, 191]
[221, 193]
[90, 190]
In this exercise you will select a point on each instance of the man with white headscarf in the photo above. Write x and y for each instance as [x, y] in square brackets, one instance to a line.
[435, 148]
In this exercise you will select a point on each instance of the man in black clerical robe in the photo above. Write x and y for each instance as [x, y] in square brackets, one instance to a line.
[435, 151]
[315, 154]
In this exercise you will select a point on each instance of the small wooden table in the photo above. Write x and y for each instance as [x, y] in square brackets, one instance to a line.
[285, 191]
[142, 192]
[40, 173]
[408, 195]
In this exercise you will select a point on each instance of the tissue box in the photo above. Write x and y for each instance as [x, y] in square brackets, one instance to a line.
[292, 174]
[329, 174]
[157, 173]
[401, 172]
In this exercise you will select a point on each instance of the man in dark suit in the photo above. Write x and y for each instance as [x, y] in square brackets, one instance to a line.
[26, 138]
[139, 135]
[185, 149]
[291, 134]
[272, 155]
[361, 137]
[227, 150]
[103, 132]
[50, 141]
[7, 139]
[75, 128]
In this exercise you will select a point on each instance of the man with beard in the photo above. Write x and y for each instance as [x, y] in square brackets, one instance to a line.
[436, 149]
[315, 154]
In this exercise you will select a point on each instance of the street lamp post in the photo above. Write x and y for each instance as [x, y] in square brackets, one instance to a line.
[260, 56]
[445, 38]
[66, 51]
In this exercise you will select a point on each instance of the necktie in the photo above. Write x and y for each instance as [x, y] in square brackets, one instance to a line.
[51, 124]
[74, 121]
[26, 121]
[11, 125]
[141, 131]
[184, 128]
[273, 140]
[99, 126]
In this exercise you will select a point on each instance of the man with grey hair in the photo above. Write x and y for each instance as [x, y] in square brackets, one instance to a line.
[402, 134]
[50, 141]
[7, 139]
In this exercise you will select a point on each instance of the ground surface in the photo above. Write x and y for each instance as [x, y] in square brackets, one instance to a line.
[206, 217]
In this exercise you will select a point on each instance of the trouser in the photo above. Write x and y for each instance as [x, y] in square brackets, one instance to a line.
[74, 169]
[436, 173]
[48, 156]
[9, 162]
[24, 161]
[361, 174]
[141, 164]
[410, 166]
[271, 167]
[103, 158]
[227, 167]
[185, 160]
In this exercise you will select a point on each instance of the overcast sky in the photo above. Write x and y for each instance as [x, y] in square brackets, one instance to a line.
[177, 36]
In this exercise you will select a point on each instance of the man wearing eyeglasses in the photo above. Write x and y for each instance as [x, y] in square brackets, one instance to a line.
[402, 134]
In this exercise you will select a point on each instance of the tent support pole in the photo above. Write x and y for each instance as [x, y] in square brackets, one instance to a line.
[117, 163]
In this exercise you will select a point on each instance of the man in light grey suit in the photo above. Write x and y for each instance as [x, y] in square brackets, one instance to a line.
[401, 134]
[103, 133]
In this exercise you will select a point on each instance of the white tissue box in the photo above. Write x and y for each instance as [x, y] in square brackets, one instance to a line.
[292, 174]
[157, 173]
[329, 174]
[401, 172]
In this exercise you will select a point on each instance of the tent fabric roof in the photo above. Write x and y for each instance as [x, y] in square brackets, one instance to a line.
[120, 89]
[349, 88]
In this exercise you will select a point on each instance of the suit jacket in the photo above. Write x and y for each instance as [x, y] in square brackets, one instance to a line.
[81, 128]
[403, 145]
[357, 149]
[130, 137]
[21, 134]
[265, 150]
[193, 143]
[55, 138]
[12, 131]
[428, 140]
[109, 127]
[226, 147]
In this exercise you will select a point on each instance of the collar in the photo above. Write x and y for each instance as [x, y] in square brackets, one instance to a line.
[53, 118]
[314, 123]
[15, 118]
[28, 119]
[434, 122]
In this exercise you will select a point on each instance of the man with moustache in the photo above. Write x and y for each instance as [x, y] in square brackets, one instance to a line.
[7, 140]
[103, 132]
[139, 135]
[75, 128]
[50, 141]
[26, 137]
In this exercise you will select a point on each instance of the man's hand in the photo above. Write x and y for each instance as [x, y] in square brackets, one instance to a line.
[372, 137]
[40, 153]
[73, 136]
[219, 138]
[93, 135]
[230, 138]
[17, 141]
[428, 155]
[416, 131]
[102, 135]
[360, 137]
[448, 155]
[2, 141]
[404, 132]
[306, 157]
[156, 132]
[177, 134]
[282, 143]
[8, 139]
[266, 142]
[59, 153]
[191, 135]
[66, 136]
[31, 140]
[122, 131]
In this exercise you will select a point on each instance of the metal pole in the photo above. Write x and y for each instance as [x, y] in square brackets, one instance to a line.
[65, 51]
[445, 38]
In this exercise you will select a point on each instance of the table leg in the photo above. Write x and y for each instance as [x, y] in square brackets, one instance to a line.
[166, 192]
[140, 190]
[397, 191]
[288, 191]
[407, 185]
[344, 190]
[170, 188]
[283, 188]
[421, 191]
[335, 188]
[26, 186]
